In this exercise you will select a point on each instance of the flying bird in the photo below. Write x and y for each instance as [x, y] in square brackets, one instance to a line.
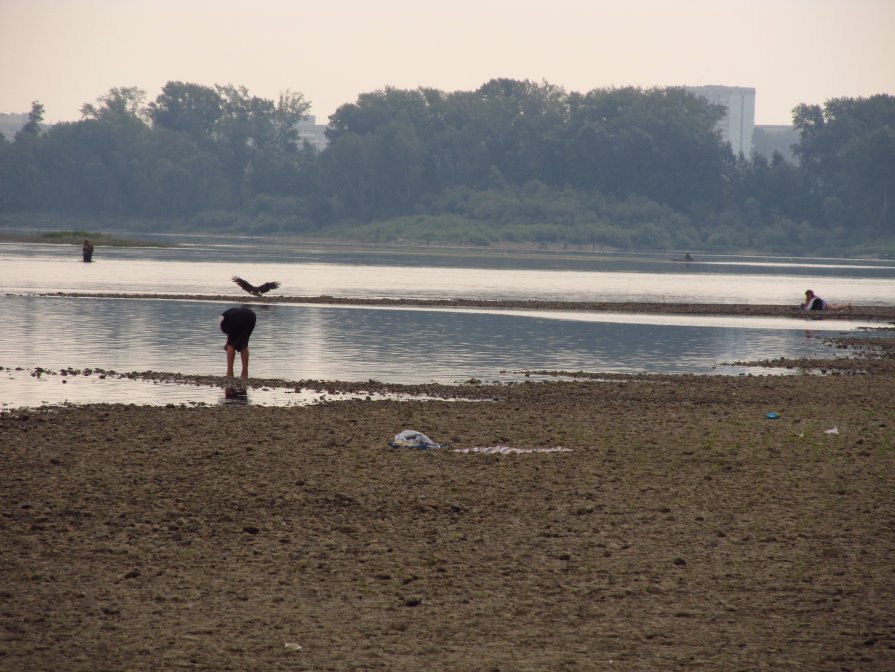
[251, 289]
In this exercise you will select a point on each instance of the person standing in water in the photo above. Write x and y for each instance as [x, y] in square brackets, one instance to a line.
[87, 250]
[238, 324]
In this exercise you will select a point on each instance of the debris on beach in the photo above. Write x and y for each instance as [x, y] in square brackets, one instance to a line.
[508, 450]
[410, 438]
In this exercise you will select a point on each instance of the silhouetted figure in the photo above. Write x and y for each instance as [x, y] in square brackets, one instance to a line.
[87, 250]
[238, 324]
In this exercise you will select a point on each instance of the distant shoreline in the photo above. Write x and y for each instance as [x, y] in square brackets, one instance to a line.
[76, 238]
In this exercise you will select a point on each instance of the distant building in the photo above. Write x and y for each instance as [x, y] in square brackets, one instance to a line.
[737, 126]
[312, 132]
[769, 139]
[10, 124]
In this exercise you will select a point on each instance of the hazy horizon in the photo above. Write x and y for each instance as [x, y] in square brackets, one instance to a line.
[66, 53]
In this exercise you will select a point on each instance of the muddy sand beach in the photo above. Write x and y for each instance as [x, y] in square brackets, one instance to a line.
[681, 528]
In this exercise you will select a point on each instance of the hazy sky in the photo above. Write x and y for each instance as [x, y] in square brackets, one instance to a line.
[65, 53]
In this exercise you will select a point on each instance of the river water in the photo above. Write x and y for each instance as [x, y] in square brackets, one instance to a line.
[298, 341]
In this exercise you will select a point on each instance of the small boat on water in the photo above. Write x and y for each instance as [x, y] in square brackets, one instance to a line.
[686, 258]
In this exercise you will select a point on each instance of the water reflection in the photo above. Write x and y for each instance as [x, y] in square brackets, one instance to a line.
[395, 345]
[20, 388]
[236, 396]
[572, 277]
[400, 345]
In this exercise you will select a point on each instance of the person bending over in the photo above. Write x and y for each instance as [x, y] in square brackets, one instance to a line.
[238, 324]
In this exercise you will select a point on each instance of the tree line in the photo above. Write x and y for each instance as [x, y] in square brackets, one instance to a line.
[512, 161]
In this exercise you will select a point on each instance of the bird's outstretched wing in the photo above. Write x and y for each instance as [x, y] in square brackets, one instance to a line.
[267, 286]
[249, 287]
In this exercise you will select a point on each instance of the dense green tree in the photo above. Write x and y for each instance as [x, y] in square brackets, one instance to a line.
[175, 178]
[847, 149]
[35, 117]
[518, 127]
[88, 166]
[388, 137]
[765, 190]
[19, 171]
[120, 104]
[660, 143]
[388, 106]
[8, 168]
[511, 160]
[869, 176]
[187, 108]
[505, 123]
[248, 128]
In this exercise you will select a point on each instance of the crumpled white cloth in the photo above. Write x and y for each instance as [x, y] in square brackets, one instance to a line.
[412, 436]
[507, 450]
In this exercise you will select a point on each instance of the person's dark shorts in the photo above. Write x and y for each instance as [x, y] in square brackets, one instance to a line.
[238, 324]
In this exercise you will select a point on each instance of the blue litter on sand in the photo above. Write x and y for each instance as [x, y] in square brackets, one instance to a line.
[772, 416]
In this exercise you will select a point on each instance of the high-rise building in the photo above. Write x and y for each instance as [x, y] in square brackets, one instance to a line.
[737, 125]
[769, 140]
[10, 124]
[309, 130]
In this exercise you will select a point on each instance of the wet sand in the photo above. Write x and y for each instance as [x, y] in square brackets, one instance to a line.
[684, 530]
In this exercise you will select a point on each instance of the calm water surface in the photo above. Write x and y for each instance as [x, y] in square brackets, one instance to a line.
[207, 269]
[296, 342]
